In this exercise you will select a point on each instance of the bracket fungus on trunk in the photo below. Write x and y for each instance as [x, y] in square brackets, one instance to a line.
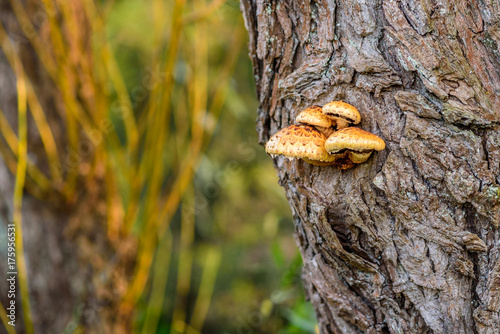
[314, 116]
[301, 141]
[342, 113]
[358, 143]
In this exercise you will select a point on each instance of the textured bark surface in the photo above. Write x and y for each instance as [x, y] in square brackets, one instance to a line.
[76, 276]
[407, 242]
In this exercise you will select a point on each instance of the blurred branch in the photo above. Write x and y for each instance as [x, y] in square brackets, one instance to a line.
[10, 137]
[22, 153]
[185, 260]
[202, 304]
[159, 284]
[123, 98]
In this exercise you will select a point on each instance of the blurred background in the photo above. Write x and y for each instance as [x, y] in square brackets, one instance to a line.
[166, 98]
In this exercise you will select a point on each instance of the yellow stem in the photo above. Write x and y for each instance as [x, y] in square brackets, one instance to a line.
[46, 135]
[159, 284]
[204, 296]
[18, 196]
[125, 104]
[38, 191]
[185, 259]
[10, 137]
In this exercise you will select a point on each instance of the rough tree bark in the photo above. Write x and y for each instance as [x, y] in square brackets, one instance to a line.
[407, 242]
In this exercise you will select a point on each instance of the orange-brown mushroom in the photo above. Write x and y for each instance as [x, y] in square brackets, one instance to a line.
[343, 113]
[301, 141]
[314, 116]
[358, 143]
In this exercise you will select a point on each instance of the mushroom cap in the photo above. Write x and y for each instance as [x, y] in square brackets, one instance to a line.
[354, 139]
[299, 141]
[343, 111]
[314, 116]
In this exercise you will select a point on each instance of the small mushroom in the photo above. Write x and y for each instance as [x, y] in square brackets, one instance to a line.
[314, 116]
[343, 113]
[358, 144]
[301, 141]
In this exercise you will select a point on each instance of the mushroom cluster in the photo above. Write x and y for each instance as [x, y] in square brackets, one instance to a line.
[323, 137]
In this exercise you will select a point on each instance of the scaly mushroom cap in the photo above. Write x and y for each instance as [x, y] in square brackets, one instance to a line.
[300, 141]
[358, 142]
[343, 113]
[314, 116]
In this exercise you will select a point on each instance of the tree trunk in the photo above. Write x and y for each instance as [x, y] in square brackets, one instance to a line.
[407, 242]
